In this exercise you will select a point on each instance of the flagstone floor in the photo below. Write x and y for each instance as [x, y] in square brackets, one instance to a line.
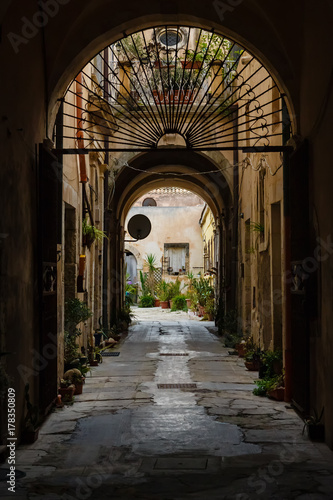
[126, 437]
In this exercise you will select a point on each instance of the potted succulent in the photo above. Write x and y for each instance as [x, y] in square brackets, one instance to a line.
[75, 377]
[66, 390]
[316, 430]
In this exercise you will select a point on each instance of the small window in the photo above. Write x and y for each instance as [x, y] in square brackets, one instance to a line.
[171, 38]
[149, 202]
[176, 258]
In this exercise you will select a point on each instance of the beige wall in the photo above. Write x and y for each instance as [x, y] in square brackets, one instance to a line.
[170, 225]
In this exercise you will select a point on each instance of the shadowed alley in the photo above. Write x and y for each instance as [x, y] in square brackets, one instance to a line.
[130, 435]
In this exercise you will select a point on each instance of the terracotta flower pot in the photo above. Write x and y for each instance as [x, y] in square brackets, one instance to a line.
[67, 393]
[277, 394]
[191, 64]
[78, 389]
[252, 366]
[241, 350]
[157, 303]
[188, 303]
[164, 304]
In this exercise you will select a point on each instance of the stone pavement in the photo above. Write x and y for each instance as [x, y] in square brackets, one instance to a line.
[126, 437]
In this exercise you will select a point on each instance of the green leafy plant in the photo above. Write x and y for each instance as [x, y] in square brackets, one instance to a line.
[210, 48]
[313, 419]
[268, 384]
[147, 301]
[163, 291]
[204, 290]
[179, 303]
[76, 312]
[145, 287]
[73, 376]
[174, 288]
[151, 263]
[271, 363]
[92, 233]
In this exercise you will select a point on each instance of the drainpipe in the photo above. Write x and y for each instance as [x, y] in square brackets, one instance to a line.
[287, 259]
[79, 133]
[106, 217]
[234, 247]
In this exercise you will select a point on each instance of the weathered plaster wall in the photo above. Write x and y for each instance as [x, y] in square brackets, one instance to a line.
[170, 225]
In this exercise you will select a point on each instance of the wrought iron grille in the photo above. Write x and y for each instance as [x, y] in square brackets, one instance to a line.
[203, 88]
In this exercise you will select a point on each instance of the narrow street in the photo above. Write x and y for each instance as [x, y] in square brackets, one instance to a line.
[130, 435]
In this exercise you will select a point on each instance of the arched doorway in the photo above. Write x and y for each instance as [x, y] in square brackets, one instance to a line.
[254, 24]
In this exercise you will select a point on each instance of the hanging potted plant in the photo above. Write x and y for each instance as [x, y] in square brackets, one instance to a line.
[90, 234]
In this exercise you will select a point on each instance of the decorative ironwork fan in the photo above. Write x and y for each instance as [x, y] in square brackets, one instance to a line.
[204, 89]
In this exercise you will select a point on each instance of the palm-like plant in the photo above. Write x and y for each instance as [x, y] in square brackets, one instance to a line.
[151, 262]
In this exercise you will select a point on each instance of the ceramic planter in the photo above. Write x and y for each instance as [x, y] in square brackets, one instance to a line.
[67, 393]
[240, 349]
[252, 366]
[192, 64]
[164, 304]
[277, 394]
[78, 388]
[157, 303]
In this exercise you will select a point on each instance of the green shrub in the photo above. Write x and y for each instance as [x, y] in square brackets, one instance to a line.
[174, 289]
[231, 339]
[179, 303]
[272, 363]
[163, 291]
[267, 384]
[147, 301]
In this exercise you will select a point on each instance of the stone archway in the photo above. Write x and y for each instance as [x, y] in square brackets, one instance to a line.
[283, 43]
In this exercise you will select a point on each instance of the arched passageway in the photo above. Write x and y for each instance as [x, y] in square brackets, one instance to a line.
[29, 112]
